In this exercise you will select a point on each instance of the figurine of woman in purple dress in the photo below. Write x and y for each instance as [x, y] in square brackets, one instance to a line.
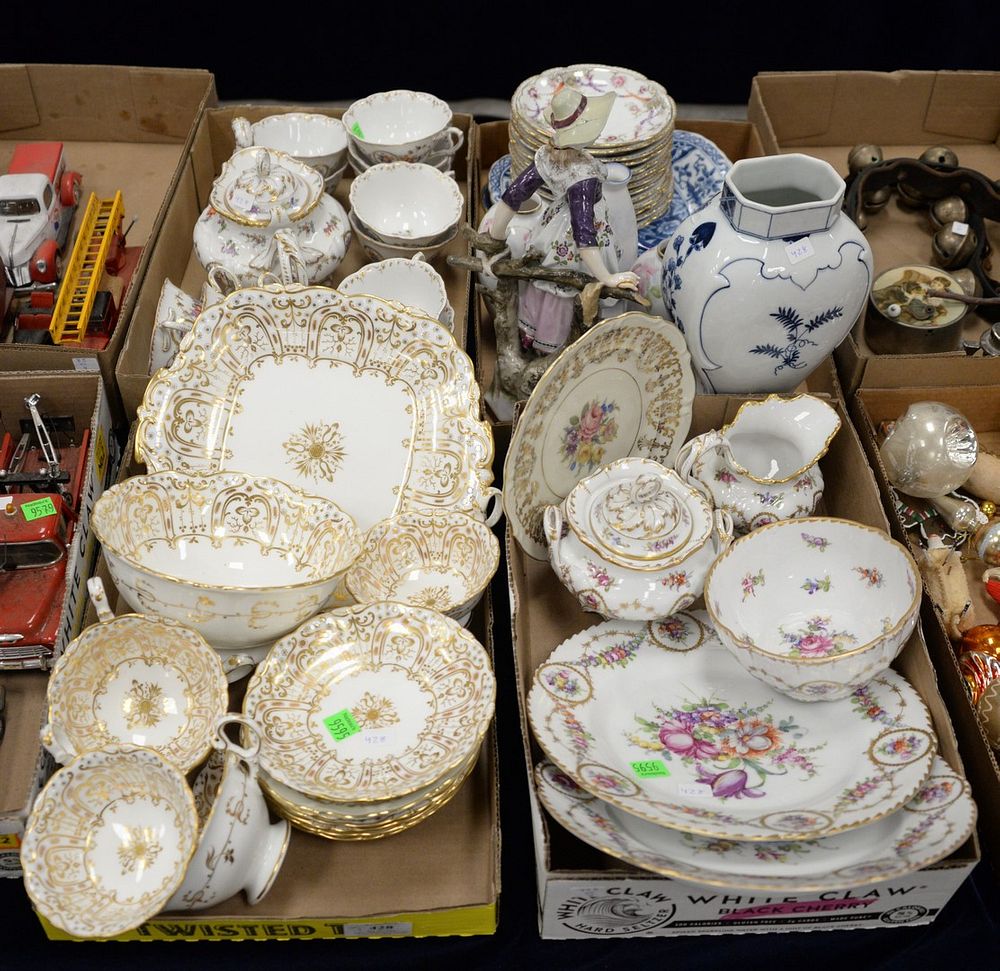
[574, 232]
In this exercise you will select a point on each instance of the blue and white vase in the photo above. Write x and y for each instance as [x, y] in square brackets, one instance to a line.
[769, 277]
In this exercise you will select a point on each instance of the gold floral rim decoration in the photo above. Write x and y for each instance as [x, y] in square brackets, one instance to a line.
[431, 680]
[108, 841]
[314, 534]
[157, 657]
[652, 352]
[453, 543]
[192, 410]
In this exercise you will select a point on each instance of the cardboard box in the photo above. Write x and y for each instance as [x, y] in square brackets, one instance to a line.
[826, 113]
[737, 139]
[24, 766]
[124, 128]
[440, 878]
[979, 404]
[173, 256]
[578, 886]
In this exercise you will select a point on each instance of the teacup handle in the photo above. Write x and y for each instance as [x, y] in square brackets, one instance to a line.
[55, 741]
[689, 455]
[494, 514]
[242, 132]
[222, 279]
[223, 743]
[456, 136]
[95, 587]
[233, 664]
[723, 530]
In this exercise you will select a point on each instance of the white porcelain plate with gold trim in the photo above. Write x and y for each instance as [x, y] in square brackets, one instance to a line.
[936, 821]
[370, 702]
[659, 720]
[348, 397]
[622, 389]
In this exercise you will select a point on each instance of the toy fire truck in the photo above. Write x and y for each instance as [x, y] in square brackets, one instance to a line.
[40, 490]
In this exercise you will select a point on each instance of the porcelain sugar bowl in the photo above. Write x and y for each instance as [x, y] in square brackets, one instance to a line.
[634, 542]
[764, 465]
[259, 193]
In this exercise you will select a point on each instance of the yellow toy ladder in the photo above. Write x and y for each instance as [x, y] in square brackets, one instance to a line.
[83, 273]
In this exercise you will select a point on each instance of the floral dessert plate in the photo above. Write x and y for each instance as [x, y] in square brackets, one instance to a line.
[623, 389]
[371, 702]
[936, 821]
[659, 720]
[642, 111]
[351, 398]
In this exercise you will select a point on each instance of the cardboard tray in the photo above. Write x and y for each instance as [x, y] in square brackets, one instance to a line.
[172, 257]
[124, 128]
[24, 765]
[577, 884]
[872, 406]
[737, 139]
[826, 113]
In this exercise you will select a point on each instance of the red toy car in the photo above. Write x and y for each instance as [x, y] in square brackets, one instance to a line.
[39, 503]
[38, 197]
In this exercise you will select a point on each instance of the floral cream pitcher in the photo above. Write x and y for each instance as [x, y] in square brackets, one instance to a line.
[763, 466]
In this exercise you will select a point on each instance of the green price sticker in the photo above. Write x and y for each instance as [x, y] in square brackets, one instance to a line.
[356, 128]
[649, 768]
[38, 508]
[342, 725]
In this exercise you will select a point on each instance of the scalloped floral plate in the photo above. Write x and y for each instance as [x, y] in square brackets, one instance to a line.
[936, 821]
[350, 398]
[622, 389]
[659, 720]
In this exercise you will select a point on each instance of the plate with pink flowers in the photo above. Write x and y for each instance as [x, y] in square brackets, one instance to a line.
[934, 823]
[659, 720]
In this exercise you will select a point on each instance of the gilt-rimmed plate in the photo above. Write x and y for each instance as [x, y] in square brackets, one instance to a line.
[622, 389]
[371, 703]
[642, 111]
[660, 721]
[350, 398]
[934, 823]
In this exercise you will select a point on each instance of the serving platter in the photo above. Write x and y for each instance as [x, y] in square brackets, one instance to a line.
[622, 389]
[659, 720]
[352, 398]
[935, 822]
[370, 702]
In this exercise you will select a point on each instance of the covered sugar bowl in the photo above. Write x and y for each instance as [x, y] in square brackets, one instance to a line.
[635, 542]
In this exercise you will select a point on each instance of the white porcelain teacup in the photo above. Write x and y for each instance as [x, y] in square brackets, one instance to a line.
[317, 140]
[413, 283]
[401, 126]
[239, 848]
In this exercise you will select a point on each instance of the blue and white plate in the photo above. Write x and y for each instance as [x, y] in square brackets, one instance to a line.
[699, 168]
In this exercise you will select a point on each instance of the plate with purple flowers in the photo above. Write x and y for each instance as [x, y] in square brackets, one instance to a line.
[660, 721]
[934, 823]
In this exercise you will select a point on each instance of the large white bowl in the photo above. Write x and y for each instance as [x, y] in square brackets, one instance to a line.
[406, 203]
[401, 125]
[814, 607]
[411, 282]
[243, 559]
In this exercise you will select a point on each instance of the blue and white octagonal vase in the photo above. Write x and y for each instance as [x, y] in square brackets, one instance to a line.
[769, 277]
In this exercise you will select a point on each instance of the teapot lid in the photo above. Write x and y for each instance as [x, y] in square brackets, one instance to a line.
[263, 187]
[638, 514]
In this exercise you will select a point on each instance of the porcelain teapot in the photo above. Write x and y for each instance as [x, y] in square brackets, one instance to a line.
[763, 466]
[634, 542]
[259, 193]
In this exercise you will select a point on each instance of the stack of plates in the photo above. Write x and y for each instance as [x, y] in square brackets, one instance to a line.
[638, 133]
[371, 718]
[668, 755]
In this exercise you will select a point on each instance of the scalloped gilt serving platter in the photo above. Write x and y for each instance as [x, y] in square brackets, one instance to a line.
[348, 397]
